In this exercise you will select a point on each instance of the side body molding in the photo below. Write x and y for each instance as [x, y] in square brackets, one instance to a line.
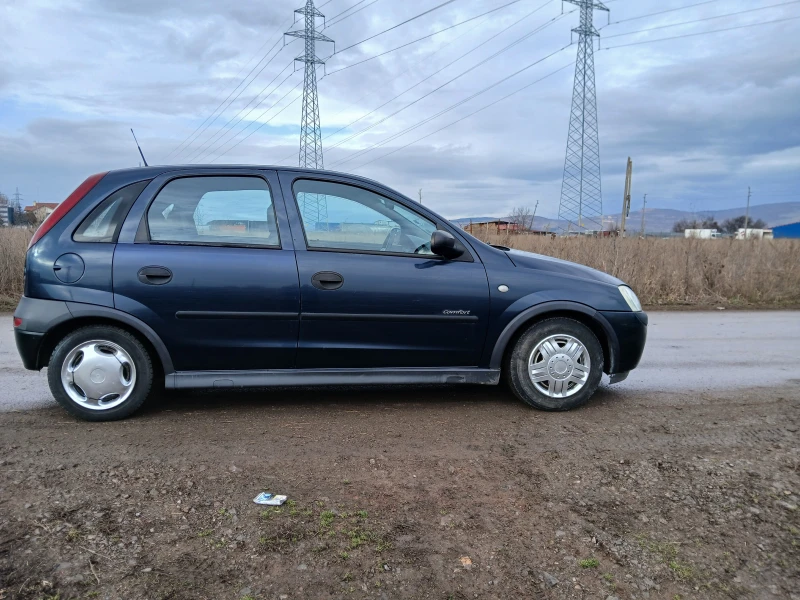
[554, 307]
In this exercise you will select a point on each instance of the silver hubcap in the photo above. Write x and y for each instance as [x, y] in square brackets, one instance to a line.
[559, 366]
[98, 375]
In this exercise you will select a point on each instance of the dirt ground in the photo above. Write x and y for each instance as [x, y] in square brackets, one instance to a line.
[407, 493]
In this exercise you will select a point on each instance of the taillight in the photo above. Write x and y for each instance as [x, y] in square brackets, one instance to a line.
[63, 208]
[17, 322]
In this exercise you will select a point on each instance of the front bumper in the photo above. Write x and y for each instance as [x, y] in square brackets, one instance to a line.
[630, 329]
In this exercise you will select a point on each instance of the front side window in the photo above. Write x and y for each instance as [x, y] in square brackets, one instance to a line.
[344, 217]
[214, 210]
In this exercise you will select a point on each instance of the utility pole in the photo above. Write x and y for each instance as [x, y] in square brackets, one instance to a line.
[581, 196]
[644, 207]
[626, 196]
[747, 213]
[533, 219]
[314, 206]
[420, 195]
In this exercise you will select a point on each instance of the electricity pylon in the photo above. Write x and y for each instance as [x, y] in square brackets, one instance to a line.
[581, 196]
[314, 207]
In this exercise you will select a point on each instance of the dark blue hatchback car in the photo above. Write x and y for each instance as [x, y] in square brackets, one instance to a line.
[241, 276]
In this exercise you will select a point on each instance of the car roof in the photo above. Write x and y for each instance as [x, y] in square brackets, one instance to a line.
[155, 170]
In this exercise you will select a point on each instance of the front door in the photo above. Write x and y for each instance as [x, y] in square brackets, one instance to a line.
[373, 295]
[206, 260]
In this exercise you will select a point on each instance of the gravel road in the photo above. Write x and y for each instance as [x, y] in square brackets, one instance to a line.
[683, 482]
[686, 351]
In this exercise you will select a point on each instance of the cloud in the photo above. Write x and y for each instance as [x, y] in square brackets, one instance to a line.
[703, 117]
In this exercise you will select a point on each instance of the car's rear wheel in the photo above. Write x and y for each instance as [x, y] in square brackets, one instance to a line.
[556, 364]
[100, 373]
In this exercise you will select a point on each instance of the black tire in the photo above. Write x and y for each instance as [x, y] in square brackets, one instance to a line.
[517, 364]
[141, 360]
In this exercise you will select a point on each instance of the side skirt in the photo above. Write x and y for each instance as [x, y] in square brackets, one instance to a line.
[312, 377]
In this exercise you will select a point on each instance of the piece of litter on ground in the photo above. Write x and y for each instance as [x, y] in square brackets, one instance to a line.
[466, 561]
[269, 499]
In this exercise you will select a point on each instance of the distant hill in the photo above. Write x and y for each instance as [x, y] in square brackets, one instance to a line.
[662, 219]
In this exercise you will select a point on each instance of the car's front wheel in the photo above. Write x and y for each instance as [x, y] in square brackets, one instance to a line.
[100, 373]
[556, 364]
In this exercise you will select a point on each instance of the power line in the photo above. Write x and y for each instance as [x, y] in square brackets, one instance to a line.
[265, 122]
[676, 37]
[465, 72]
[466, 116]
[192, 135]
[436, 72]
[225, 128]
[741, 12]
[385, 83]
[660, 12]
[425, 37]
[335, 22]
[451, 107]
[527, 86]
[222, 141]
[422, 14]
[494, 36]
[232, 100]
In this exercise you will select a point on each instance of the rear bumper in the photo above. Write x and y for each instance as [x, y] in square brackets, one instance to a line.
[630, 329]
[38, 317]
[28, 345]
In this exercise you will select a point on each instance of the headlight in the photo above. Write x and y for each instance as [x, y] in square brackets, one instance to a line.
[630, 298]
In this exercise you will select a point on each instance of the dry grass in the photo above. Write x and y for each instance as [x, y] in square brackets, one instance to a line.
[693, 272]
[664, 272]
[13, 243]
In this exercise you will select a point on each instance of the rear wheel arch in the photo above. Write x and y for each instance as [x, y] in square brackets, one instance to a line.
[159, 356]
[570, 310]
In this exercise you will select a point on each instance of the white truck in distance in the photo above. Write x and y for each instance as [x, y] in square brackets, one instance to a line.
[703, 234]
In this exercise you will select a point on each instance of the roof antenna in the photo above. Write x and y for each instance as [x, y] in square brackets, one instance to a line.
[140, 148]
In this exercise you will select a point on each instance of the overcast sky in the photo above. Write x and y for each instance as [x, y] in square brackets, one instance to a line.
[702, 116]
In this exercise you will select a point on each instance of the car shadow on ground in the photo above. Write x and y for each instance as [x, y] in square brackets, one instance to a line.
[349, 398]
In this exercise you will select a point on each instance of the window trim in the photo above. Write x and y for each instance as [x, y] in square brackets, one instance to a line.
[466, 257]
[123, 217]
[143, 230]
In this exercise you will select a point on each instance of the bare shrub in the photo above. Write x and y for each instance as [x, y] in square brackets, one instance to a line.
[683, 271]
[664, 272]
[13, 244]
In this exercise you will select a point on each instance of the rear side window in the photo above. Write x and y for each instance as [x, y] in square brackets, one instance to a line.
[214, 210]
[104, 222]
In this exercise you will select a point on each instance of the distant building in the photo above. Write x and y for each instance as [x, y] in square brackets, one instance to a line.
[754, 234]
[496, 226]
[41, 210]
[792, 230]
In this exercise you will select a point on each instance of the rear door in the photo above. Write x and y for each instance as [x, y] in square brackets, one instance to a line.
[372, 293]
[205, 258]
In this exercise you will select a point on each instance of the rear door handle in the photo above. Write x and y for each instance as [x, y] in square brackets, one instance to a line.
[327, 280]
[155, 275]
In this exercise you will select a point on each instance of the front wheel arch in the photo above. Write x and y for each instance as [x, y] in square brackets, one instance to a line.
[548, 310]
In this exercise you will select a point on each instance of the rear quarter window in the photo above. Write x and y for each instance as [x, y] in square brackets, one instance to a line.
[102, 225]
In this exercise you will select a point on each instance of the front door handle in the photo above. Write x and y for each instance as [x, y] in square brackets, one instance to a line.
[155, 275]
[327, 280]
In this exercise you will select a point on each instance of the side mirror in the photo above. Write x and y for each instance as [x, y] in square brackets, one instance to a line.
[444, 244]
